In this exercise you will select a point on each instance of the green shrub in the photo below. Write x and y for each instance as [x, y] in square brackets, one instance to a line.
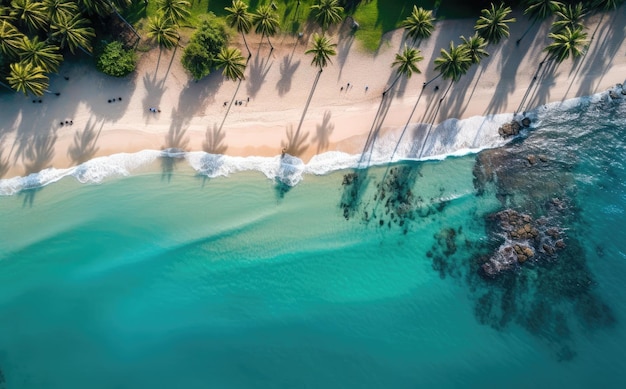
[115, 61]
[203, 47]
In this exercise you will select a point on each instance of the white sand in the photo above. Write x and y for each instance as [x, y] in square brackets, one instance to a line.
[278, 85]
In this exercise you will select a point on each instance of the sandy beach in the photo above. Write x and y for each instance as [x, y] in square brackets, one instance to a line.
[193, 115]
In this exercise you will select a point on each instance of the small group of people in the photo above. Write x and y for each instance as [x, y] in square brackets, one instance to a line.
[152, 109]
[113, 100]
[67, 122]
[237, 102]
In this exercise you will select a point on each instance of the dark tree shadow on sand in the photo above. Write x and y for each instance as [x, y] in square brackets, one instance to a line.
[85, 143]
[37, 157]
[4, 163]
[323, 132]
[296, 142]
[154, 92]
[287, 70]
[256, 77]
[214, 141]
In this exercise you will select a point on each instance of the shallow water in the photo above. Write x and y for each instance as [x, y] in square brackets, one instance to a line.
[168, 278]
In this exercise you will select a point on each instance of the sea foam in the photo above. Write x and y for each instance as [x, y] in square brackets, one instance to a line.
[418, 141]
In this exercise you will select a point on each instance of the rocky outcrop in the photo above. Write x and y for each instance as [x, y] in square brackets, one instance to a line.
[509, 129]
[526, 239]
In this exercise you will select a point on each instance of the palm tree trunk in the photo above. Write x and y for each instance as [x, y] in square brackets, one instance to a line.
[432, 122]
[246, 43]
[268, 41]
[125, 21]
[156, 69]
[431, 80]
[261, 43]
[6, 86]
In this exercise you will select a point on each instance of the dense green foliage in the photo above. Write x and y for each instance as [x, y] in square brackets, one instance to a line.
[116, 61]
[205, 44]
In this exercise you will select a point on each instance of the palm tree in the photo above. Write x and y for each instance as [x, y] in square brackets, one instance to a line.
[405, 64]
[163, 31]
[565, 43]
[569, 16]
[231, 61]
[10, 39]
[30, 13]
[94, 7]
[327, 12]
[73, 32]
[539, 10]
[26, 78]
[266, 22]
[475, 46]
[57, 9]
[176, 10]
[239, 18]
[419, 24]
[321, 49]
[607, 5]
[492, 24]
[453, 64]
[40, 54]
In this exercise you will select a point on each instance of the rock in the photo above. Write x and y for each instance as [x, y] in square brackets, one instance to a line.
[528, 252]
[613, 95]
[521, 258]
[559, 244]
[543, 158]
[509, 129]
[526, 122]
[549, 250]
[532, 159]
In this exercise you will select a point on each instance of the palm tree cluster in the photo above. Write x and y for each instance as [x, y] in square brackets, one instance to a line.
[35, 33]
[163, 27]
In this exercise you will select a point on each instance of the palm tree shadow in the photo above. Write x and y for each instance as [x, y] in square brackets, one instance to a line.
[344, 46]
[295, 144]
[84, 146]
[154, 92]
[287, 70]
[323, 132]
[4, 163]
[37, 157]
[256, 77]
[213, 142]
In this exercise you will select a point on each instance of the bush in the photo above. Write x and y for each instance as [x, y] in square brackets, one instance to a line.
[203, 47]
[115, 61]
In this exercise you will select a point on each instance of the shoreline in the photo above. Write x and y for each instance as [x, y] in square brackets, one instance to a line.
[278, 84]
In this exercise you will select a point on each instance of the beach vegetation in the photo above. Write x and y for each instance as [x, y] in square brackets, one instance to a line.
[321, 50]
[569, 16]
[115, 60]
[239, 18]
[163, 31]
[232, 63]
[59, 9]
[419, 24]
[266, 23]
[607, 5]
[28, 79]
[475, 46]
[74, 33]
[204, 46]
[327, 12]
[567, 43]
[454, 63]
[40, 54]
[29, 14]
[492, 25]
[405, 64]
[10, 39]
[541, 9]
[177, 11]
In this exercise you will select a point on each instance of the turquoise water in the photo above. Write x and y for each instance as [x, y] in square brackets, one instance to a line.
[171, 279]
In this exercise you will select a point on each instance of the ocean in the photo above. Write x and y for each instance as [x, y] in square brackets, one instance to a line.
[489, 263]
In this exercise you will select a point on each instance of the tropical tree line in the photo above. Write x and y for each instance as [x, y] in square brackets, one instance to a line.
[36, 34]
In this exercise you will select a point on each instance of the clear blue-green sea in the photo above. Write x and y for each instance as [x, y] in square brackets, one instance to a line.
[172, 276]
